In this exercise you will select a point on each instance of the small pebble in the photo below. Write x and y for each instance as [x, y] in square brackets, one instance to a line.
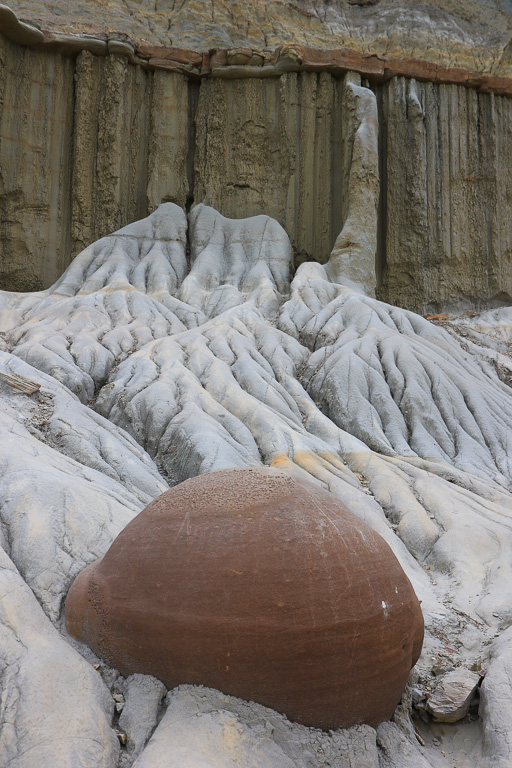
[121, 735]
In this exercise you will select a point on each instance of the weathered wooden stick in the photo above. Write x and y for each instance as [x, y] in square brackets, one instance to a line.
[419, 737]
[20, 383]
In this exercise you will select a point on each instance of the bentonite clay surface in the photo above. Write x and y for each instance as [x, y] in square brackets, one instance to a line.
[261, 586]
[155, 368]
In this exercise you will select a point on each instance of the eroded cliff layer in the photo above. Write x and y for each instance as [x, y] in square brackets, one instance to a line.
[90, 142]
[446, 186]
[470, 34]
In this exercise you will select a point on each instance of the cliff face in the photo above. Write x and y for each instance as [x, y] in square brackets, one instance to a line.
[105, 142]
[283, 144]
[86, 143]
[98, 128]
[36, 121]
[446, 232]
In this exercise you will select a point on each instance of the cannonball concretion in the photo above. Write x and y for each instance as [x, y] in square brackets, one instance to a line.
[262, 586]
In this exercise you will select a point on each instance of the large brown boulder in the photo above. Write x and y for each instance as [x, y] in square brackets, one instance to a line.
[262, 586]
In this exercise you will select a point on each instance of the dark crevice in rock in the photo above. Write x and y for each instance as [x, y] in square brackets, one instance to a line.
[380, 259]
[193, 98]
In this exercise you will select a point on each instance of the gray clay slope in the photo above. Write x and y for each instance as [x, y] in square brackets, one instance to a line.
[155, 365]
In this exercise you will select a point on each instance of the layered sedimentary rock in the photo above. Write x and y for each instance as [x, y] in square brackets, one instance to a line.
[116, 125]
[446, 237]
[100, 140]
[152, 371]
[229, 581]
[142, 137]
[473, 34]
[136, 138]
[35, 178]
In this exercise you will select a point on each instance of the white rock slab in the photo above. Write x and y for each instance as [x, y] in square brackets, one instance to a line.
[203, 728]
[397, 751]
[143, 700]
[55, 711]
[453, 695]
[496, 703]
[236, 260]
[396, 381]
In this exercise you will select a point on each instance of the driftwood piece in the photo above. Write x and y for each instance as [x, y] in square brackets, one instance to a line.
[21, 383]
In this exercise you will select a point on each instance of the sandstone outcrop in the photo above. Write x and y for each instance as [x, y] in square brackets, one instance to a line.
[260, 586]
[112, 125]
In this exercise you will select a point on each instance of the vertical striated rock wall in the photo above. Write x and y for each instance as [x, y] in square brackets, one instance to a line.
[89, 143]
[110, 144]
[127, 139]
[36, 134]
[446, 195]
[277, 144]
[352, 260]
[130, 144]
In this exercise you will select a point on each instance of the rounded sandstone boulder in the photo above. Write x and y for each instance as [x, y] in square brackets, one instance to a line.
[262, 586]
